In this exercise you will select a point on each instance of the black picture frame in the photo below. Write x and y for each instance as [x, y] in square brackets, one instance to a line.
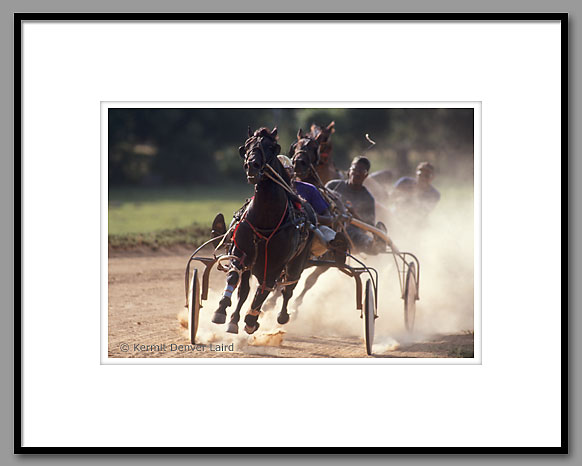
[19, 18]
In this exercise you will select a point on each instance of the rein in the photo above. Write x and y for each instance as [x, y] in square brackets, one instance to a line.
[279, 180]
[324, 191]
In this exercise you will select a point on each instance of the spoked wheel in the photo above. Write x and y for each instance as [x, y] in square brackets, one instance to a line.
[193, 306]
[369, 316]
[410, 297]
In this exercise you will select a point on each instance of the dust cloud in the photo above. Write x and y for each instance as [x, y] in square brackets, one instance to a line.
[444, 245]
[445, 249]
[264, 342]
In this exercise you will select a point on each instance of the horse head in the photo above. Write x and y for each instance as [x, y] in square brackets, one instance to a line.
[322, 134]
[305, 155]
[259, 150]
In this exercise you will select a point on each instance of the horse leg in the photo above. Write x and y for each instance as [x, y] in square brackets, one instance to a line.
[253, 314]
[232, 278]
[243, 293]
[293, 273]
[283, 316]
[271, 300]
[309, 282]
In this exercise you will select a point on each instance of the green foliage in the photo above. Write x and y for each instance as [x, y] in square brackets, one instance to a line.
[179, 146]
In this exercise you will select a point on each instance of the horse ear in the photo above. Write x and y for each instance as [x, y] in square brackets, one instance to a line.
[274, 133]
[331, 126]
[250, 132]
[299, 134]
[241, 151]
[292, 149]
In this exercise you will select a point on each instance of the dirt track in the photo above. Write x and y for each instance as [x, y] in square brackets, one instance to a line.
[146, 306]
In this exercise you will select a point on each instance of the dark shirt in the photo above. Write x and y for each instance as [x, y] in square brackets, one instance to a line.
[312, 195]
[362, 201]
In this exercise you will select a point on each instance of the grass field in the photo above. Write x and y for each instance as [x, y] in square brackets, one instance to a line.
[139, 210]
[168, 216]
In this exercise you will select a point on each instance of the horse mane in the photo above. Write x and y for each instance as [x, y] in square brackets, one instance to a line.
[263, 132]
[318, 131]
[315, 130]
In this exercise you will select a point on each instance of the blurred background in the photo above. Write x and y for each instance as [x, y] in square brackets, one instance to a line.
[172, 169]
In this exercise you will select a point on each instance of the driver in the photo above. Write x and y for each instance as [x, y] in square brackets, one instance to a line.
[325, 236]
[360, 203]
[414, 198]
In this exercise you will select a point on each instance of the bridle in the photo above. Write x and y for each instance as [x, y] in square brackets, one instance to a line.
[255, 143]
[304, 151]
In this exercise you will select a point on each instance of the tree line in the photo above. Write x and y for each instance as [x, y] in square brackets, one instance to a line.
[180, 146]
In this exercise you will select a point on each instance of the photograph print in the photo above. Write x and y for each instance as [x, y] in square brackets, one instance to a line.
[310, 232]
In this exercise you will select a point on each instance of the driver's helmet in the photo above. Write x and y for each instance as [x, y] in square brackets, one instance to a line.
[285, 161]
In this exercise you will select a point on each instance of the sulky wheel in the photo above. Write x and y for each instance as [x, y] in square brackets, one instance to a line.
[369, 316]
[193, 306]
[410, 297]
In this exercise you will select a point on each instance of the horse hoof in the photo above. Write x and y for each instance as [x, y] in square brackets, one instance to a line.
[232, 328]
[283, 318]
[250, 330]
[251, 324]
[219, 317]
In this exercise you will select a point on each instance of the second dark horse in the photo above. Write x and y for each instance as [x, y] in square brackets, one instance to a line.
[272, 239]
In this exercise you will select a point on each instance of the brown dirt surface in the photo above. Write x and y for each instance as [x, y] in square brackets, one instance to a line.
[146, 319]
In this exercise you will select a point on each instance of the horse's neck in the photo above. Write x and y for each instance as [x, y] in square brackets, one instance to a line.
[268, 205]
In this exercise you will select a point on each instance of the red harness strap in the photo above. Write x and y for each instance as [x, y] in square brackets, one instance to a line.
[267, 239]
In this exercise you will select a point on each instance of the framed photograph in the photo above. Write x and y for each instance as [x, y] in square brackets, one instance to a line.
[216, 226]
[159, 195]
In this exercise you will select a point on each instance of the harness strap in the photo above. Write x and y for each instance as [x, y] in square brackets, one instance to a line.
[323, 190]
[244, 215]
[244, 255]
[267, 239]
[280, 181]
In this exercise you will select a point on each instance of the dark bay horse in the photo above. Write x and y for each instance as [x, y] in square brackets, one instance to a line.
[272, 240]
[316, 147]
[305, 154]
[326, 169]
